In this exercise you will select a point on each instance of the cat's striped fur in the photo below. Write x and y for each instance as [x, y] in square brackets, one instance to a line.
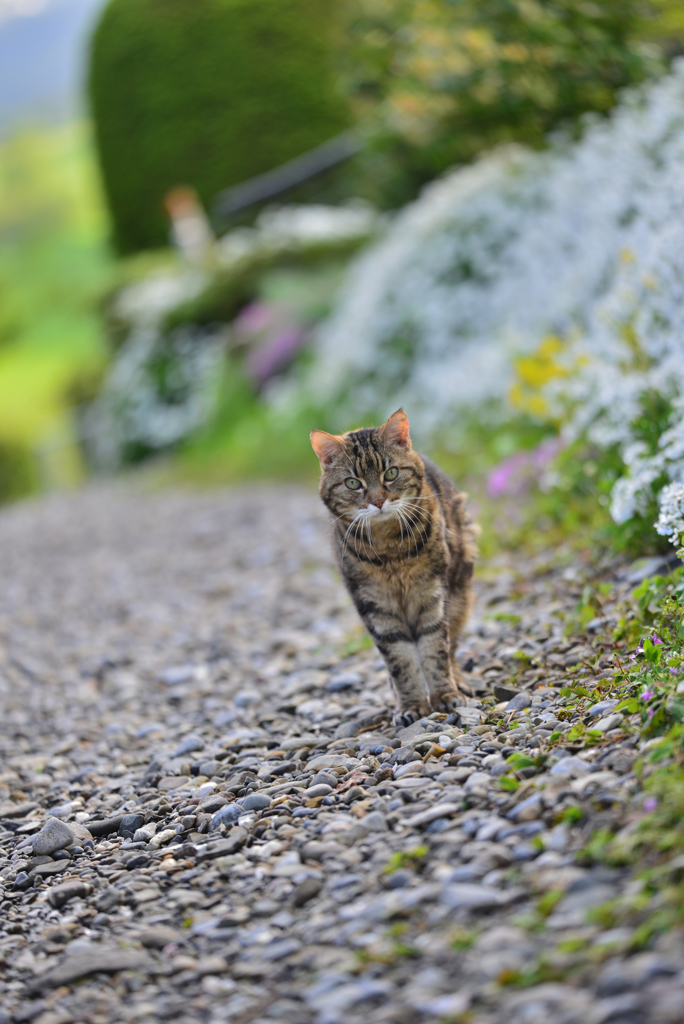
[405, 547]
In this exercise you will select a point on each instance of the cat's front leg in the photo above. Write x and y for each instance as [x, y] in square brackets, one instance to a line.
[403, 663]
[408, 682]
[435, 658]
[398, 649]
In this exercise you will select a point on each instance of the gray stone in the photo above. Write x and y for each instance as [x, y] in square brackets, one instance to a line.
[325, 779]
[602, 708]
[219, 848]
[473, 897]
[104, 826]
[306, 890]
[374, 822]
[256, 802]
[108, 899]
[214, 802]
[47, 870]
[157, 936]
[608, 723]
[502, 691]
[226, 816]
[346, 681]
[19, 810]
[281, 949]
[129, 824]
[527, 810]
[98, 959]
[520, 701]
[573, 766]
[438, 811]
[187, 745]
[54, 835]
[177, 674]
[72, 889]
[321, 789]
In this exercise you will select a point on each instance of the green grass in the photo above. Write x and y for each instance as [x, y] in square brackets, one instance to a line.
[54, 265]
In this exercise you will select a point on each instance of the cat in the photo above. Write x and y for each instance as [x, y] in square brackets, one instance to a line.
[405, 548]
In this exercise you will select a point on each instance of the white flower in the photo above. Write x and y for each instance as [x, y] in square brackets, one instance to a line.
[584, 241]
[671, 519]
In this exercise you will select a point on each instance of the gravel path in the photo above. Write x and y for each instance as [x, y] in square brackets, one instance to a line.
[205, 814]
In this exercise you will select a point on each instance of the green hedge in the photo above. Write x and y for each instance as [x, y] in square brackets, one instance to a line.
[205, 93]
[18, 475]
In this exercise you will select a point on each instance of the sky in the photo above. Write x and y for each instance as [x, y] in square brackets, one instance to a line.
[43, 46]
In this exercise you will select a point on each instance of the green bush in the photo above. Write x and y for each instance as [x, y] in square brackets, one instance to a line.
[205, 93]
[447, 79]
[17, 472]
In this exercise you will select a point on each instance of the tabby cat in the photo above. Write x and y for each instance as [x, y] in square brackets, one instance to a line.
[405, 547]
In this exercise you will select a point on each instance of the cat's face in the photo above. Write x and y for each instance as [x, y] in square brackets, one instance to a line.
[370, 473]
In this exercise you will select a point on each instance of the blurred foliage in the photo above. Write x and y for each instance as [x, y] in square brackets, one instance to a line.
[53, 266]
[446, 79]
[575, 491]
[18, 471]
[231, 288]
[206, 93]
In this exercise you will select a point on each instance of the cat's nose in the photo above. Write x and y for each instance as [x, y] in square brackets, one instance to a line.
[379, 502]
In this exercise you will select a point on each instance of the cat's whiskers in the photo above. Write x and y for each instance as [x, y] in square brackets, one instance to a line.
[346, 536]
[368, 531]
[414, 514]
[422, 511]
[410, 530]
[337, 518]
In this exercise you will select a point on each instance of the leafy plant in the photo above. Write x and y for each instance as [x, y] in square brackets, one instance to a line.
[407, 859]
[446, 80]
[206, 93]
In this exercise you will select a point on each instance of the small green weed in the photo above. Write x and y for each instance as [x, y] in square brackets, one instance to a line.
[407, 859]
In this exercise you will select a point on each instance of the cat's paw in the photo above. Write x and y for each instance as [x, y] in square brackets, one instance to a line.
[407, 716]
[448, 702]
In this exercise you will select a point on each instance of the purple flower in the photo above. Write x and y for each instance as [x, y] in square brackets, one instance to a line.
[254, 318]
[650, 712]
[263, 362]
[656, 639]
[516, 474]
[650, 804]
[674, 670]
[647, 694]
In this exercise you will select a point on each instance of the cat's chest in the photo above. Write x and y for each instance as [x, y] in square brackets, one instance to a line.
[405, 588]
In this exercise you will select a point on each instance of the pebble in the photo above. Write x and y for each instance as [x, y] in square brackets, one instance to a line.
[602, 708]
[226, 816]
[520, 701]
[256, 802]
[233, 797]
[527, 809]
[105, 960]
[54, 835]
[573, 766]
[187, 745]
[129, 825]
[58, 895]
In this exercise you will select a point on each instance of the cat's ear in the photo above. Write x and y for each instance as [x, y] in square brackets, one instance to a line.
[326, 446]
[396, 430]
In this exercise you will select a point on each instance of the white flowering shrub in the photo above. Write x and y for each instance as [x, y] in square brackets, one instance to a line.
[671, 519]
[584, 242]
[293, 230]
[163, 382]
[160, 389]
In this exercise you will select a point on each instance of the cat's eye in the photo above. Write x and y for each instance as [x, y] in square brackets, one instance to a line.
[352, 483]
[392, 473]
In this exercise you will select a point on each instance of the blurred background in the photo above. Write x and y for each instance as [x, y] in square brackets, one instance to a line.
[225, 222]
